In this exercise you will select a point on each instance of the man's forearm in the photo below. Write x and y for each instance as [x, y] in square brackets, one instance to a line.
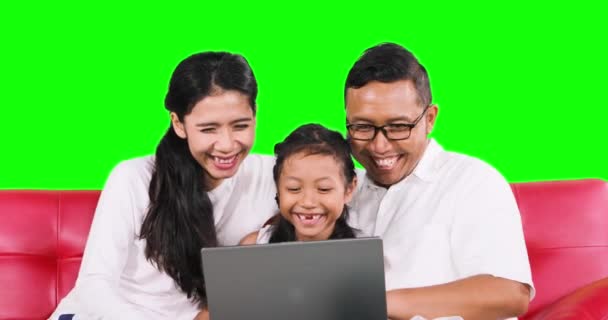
[479, 297]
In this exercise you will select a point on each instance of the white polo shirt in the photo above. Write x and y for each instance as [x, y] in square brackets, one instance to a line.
[453, 217]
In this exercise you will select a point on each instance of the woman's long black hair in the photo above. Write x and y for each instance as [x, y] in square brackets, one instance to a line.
[179, 221]
[314, 139]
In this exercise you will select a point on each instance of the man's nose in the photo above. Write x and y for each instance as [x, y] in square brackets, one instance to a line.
[380, 144]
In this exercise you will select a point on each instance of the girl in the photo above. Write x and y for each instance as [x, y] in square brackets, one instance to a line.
[315, 178]
[142, 258]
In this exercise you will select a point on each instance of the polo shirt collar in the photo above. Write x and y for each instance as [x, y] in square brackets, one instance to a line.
[425, 170]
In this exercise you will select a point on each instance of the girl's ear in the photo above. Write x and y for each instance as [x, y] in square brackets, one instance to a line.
[178, 126]
[350, 190]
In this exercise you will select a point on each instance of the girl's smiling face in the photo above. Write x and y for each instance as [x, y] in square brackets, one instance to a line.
[312, 193]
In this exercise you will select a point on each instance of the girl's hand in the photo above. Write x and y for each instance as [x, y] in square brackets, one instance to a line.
[202, 315]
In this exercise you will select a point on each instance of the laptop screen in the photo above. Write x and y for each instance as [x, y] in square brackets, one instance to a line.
[320, 280]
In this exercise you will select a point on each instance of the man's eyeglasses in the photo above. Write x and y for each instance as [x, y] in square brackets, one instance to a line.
[392, 131]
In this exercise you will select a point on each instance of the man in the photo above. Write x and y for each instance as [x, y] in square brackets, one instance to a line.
[453, 240]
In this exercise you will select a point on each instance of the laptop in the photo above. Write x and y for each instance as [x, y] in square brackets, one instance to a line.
[319, 280]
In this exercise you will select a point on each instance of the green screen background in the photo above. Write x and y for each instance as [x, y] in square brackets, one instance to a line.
[519, 85]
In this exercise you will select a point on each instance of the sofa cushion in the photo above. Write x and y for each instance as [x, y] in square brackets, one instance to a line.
[42, 237]
[565, 225]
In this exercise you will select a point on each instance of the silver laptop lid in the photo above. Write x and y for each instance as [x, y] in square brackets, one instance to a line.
[320, 280]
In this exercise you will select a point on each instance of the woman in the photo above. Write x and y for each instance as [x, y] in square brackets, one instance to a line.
[201, 189]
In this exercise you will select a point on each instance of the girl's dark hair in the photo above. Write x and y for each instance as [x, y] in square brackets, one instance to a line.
[313, 139]
[179, 221]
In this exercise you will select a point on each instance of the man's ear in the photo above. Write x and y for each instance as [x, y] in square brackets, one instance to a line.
[431, 116]
[178, 126]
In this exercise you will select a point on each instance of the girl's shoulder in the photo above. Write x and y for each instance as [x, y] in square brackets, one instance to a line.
[261, 236]
[264, 234]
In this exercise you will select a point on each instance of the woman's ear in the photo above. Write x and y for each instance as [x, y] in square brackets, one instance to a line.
[350, 190]
[178, 126]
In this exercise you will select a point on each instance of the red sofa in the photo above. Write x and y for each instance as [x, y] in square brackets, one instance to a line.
[42, 236]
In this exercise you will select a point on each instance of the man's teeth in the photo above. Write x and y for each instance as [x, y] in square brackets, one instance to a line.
[386, 162]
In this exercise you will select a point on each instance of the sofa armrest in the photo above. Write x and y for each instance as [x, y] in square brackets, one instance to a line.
[586, 303]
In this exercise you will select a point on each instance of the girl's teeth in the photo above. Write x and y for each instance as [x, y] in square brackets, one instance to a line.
[309, 217]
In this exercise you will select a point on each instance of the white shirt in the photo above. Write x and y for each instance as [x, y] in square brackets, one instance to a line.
[116, 281]
[453, 217]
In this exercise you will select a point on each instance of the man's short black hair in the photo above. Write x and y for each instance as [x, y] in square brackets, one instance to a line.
[389, 62]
